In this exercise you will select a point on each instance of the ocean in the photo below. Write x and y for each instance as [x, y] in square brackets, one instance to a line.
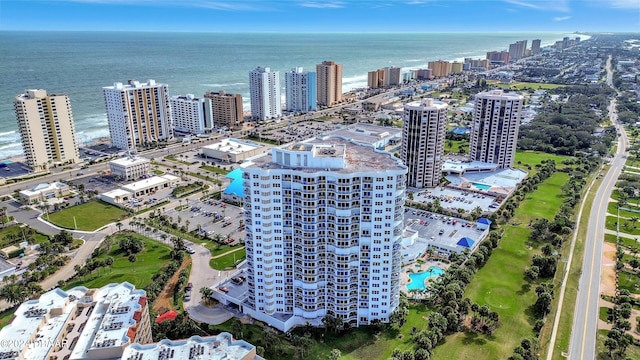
[79, 64]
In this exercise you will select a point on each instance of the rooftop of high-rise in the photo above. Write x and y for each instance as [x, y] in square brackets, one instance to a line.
[328, 153]
[500, 94]
[426, 104]
[133, 84]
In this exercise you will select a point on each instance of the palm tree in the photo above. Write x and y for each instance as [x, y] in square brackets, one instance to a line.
[119, 225]
[132, 259]
[206, 293]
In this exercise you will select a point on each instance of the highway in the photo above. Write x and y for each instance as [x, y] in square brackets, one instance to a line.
[585, 321]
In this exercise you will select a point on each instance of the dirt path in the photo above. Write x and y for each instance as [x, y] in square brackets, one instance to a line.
[608, 281]
[227, 253]
[163, 301]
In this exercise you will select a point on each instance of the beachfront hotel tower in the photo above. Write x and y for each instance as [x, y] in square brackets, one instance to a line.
[46, 127]
[494, 133]
[264, 89]
[301, 90]
[188, 114]
[329, 83]
[138, 113]
[423, 138]
[324, 220]
[224, 110]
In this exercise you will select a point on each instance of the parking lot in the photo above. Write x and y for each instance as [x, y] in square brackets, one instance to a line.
[452, 199]
[214, 217]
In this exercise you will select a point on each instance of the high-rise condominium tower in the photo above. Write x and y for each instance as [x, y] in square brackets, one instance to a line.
[423, 138]
[324, 221]
[225, 109]
[496, 121]
[329, 83]
[46, 127]
[138, 113]
[535, 47]
[188, 114]
[264, 87]
[301, 90]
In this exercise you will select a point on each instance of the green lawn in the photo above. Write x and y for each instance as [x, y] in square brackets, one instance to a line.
[508, 293]
[603, 314]
[16, 230]
[151, 259]
[6, 317]
[226, 261]
[534, 158]
[611, 225]
[451, 146]
[89, 216]
[629, 282]
[612, 208]
[626, 242]
[214, 169]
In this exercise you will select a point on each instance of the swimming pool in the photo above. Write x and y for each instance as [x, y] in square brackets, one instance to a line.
[481, 186]
[418, 279]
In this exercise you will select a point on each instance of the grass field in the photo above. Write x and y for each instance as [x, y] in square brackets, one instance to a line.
[603, 313]
[612, 208]
[17, 230]
[611, 225]
[519, 85]
[451, 146]
[89, 216]
[227, 261]
[509, 294]
[150, 260]
[6, 317]
[534, 158]
[629, 282]
[625, 241]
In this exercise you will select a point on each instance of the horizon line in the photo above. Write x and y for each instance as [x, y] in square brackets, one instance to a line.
[325, 32]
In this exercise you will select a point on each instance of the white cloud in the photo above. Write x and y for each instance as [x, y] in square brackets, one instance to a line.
[550, 5]
[208, 4]
[561, 18]
[320, 5]
[623, 4]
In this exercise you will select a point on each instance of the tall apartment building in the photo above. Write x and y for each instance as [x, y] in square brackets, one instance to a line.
[301, 90]
[138, 113]
[496, 121]
[423, 139]
[373, 79]
[329, 77]
[476, 63]
[385, 77]
[535, 47]
[264, 87]
[78, 324]
[456, 67]
[324, 222]
[424, 74]
[517, 50]
[188, 114]
[498, 57]
[217, 347]
[46, 127]
[440, 68]
[223, 109]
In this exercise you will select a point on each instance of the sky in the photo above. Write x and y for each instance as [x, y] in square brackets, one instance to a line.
[322, 15]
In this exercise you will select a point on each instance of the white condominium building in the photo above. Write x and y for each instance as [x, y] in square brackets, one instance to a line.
[264, 88]
[47, 129]
[138, 113]
[217, 347]
[188, 114]
[423, 138]
[324, 220]
[301, 90]
[78, 324]
[130, 168]
[496, 121]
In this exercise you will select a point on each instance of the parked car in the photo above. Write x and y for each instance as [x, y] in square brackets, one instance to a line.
[190, 251]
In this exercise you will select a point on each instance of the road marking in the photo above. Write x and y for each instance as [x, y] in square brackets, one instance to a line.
[597, 226]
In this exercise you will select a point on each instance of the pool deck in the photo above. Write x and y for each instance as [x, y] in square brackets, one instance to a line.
[404, 274]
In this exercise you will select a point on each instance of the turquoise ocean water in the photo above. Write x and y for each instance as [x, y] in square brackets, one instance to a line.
[81, 63]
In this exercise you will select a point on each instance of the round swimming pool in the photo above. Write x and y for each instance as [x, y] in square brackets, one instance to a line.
[418, 279]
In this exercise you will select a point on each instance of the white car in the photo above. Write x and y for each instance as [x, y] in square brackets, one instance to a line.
[191, 251]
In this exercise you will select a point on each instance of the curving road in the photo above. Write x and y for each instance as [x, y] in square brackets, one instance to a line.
[584, 331]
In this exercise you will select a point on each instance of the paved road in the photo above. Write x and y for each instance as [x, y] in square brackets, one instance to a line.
[583, 335]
